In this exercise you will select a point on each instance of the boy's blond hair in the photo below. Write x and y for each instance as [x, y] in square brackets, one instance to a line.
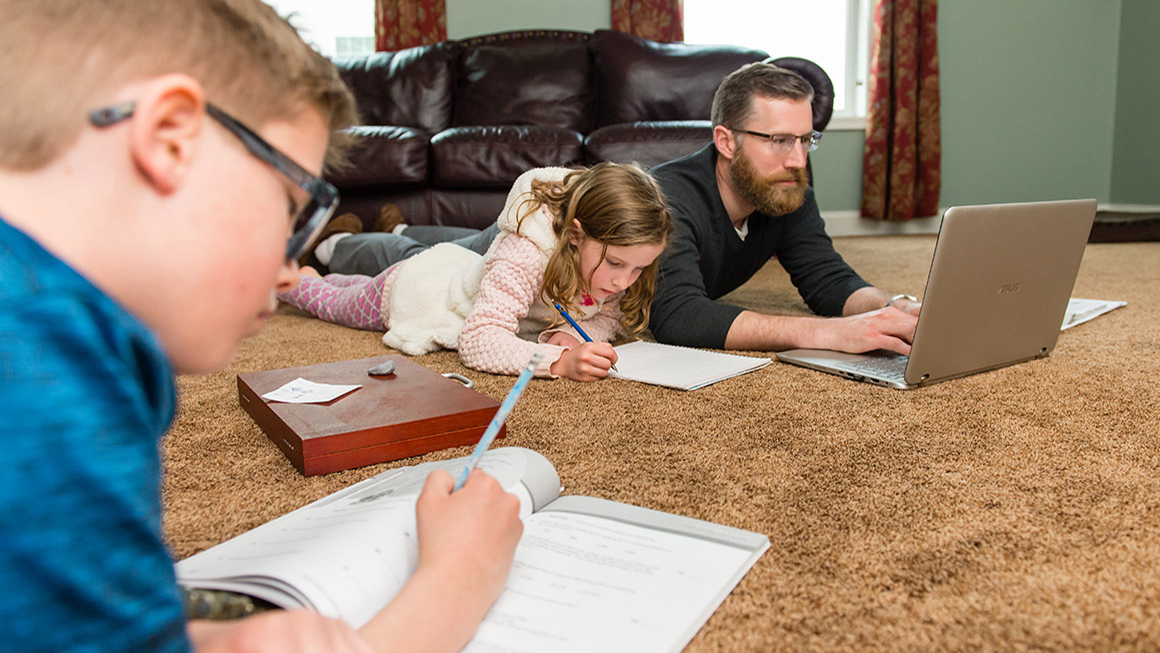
[59, 59]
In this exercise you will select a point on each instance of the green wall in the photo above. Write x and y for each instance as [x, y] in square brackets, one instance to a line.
[837, 165]
[1041, 99]
[467, 18]
[1136, 163]
[1028, 99]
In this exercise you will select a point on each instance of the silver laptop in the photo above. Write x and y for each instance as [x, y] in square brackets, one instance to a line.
[998, 288]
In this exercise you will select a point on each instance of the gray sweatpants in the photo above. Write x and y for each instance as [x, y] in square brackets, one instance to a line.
[371, 253]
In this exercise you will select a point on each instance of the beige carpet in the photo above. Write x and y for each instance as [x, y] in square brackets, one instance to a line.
[1017, 509]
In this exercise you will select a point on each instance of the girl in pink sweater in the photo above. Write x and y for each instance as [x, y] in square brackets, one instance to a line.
[588, 239]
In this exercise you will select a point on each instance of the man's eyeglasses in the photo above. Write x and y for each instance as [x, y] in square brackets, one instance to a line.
[310, 219]
[784, 143]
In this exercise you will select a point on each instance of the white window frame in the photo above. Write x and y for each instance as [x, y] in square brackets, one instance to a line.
[859, 33]
[322, 24]
[859, 38]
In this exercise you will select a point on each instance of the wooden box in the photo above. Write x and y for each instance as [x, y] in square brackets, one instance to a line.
[411, 412]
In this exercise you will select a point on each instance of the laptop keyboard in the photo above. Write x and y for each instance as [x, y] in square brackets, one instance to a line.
[892, 366]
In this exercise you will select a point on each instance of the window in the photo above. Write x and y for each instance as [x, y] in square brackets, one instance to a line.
[352, 46]
[336, 28]
[835, 34]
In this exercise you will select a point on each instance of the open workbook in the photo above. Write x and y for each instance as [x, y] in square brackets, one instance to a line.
[589, 574]
[683, 368]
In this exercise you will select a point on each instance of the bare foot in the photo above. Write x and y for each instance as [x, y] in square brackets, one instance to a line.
[307, 271]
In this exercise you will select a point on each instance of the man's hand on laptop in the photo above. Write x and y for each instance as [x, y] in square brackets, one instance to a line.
[889, 328]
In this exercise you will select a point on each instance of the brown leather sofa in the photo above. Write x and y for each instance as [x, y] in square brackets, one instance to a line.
[448, 127]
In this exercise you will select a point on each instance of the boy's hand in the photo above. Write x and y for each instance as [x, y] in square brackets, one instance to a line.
[466, 544]
[296, 631]
[469, 536]
[587, 362]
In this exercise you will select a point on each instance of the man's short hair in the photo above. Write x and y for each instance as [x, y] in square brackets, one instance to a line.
[733, 101]
[59, 59]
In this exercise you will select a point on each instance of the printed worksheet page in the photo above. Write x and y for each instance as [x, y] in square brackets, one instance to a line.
[1084, 310]
[347, 554]
[585, 583]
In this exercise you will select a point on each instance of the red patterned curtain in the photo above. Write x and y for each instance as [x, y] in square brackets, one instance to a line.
[659, 20]
[902, 160]
[406, 23]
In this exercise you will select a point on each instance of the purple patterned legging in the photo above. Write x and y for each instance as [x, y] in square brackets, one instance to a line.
[353, 300]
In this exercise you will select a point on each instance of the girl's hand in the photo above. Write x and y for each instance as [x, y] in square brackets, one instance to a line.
[587, 362]
[562, 339]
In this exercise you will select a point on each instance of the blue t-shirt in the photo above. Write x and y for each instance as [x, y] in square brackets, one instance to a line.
[86, 393]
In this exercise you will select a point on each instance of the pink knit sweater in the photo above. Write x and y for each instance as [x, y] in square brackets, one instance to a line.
[510, 319]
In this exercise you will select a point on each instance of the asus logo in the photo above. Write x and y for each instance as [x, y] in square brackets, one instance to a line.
[1008, 288]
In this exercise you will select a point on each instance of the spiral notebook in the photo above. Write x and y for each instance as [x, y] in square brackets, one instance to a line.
[683, 368]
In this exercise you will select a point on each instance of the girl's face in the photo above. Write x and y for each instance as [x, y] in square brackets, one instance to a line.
[620, 268]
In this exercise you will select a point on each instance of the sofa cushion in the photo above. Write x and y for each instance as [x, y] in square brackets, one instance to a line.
[537, 82]
[642, 80]
[411, 87]
[647, 143]
[384, 155]
[477, 209]
[492, 157]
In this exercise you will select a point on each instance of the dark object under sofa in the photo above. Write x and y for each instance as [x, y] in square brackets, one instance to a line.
[448, 127]
[1124, 224]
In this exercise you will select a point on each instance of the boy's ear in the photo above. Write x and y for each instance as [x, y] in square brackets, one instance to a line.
[168, 118]
[724, 140]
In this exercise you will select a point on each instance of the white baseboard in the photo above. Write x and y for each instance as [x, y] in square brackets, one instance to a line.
[851, 223]
[1128, 208]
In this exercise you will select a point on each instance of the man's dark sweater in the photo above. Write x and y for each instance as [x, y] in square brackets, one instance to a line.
[706, 258]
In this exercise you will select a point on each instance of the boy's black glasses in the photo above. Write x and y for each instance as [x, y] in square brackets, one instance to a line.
[310, 219]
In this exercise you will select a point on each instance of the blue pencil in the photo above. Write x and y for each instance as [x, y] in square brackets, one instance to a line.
[577, 327]
[500, 416]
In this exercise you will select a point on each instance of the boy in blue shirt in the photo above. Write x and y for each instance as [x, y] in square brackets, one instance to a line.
[159, 175]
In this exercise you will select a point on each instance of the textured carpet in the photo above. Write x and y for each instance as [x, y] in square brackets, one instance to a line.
[1017, 509]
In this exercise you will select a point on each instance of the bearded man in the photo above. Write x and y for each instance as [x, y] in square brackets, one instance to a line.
[740, 201]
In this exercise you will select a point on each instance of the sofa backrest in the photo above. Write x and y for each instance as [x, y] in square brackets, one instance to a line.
[642, 80]
[537, 78]
[823, 104]
[407, 88]
[552, 78]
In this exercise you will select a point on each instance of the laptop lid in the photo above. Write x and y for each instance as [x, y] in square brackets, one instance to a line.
[998, 288]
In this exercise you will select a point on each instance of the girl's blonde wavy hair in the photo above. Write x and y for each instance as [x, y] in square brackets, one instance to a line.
[617, 205]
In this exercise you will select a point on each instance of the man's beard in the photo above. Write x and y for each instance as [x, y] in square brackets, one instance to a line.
[761, 192]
